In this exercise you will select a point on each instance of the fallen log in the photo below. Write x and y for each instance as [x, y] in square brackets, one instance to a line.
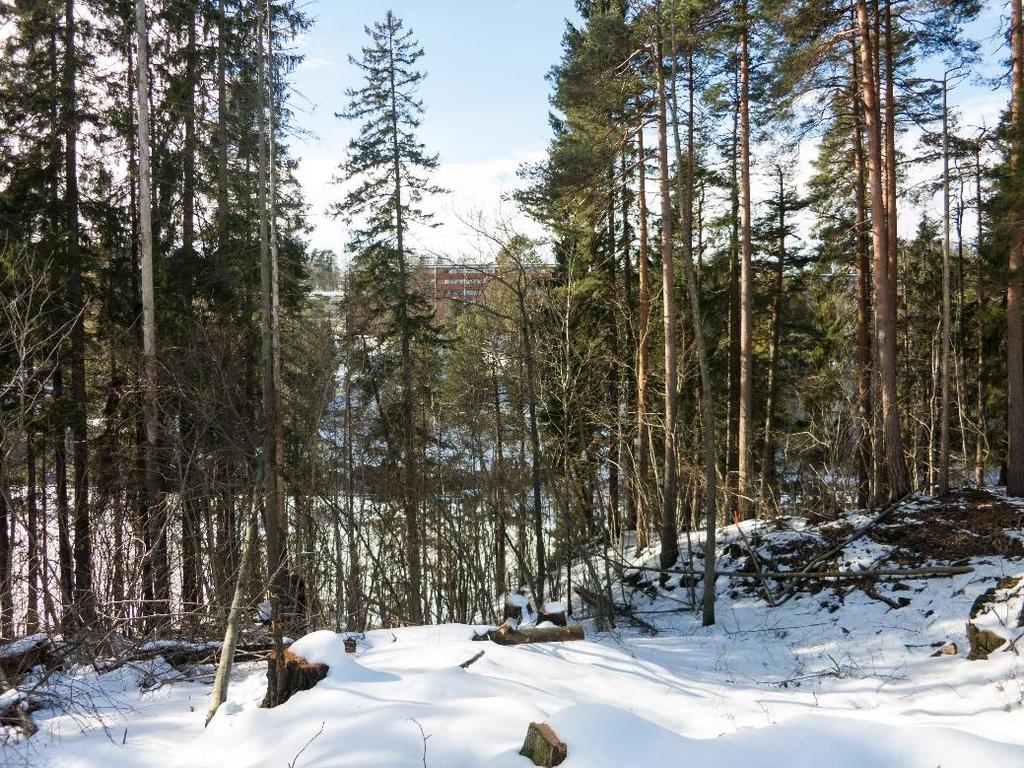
[892, 573]
[507, 634]
[542, 746]
[299, 675]
[26, 653]
[897, 573]
[182, 654]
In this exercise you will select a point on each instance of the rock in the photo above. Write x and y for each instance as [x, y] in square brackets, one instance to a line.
[983, 642]
[542, 746]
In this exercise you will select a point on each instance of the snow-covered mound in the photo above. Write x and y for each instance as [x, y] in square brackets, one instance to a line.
[832, 678]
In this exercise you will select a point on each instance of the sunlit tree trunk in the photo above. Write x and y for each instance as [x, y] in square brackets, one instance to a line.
[669, 543]
[885, 311]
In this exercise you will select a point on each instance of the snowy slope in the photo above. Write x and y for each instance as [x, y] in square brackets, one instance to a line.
[836, 679]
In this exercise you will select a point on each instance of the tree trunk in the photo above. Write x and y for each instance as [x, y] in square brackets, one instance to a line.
[643, 470]
[411, 480]
[865, 372]
[669, 536]
[155, 515]
[222, 148]
[32, 526]
[946, 310]
[899, 483]
[706, 398]
[355, 610]
[980, 288]
[892, 239]
[1015, 277]
[745, 434]
[227, 650]
[82, 596]
[768, 453]
[535, 447]
[272, 493]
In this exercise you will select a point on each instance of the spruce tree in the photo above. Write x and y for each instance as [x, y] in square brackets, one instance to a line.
[389, 169]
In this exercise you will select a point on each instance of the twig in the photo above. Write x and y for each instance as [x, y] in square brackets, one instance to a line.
[295, 759]
[466, 664]
[423, 736]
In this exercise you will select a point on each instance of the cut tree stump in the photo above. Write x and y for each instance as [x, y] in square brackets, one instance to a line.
[983, 642]
[506, 635]
[553, 612]
[299, 675]
[542, 746]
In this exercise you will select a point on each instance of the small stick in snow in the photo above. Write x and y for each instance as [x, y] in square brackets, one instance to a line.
[468, 662]
[295, 760]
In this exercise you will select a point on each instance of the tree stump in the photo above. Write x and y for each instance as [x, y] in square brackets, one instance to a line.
[542, 746]
[299, 675]
[517, 608]
[553, 612]
[983, 642]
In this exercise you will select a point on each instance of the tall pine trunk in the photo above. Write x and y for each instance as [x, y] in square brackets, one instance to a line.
[643, 463]
[669, 540]
[1015, 276]
[865, 369]
[899, 482]
[745, 431]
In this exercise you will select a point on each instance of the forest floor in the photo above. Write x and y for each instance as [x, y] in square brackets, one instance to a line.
[841, 674]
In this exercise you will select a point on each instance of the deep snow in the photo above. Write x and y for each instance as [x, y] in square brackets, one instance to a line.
[803, 684]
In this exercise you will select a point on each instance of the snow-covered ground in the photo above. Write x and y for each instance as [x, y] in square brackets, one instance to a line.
[824, 680]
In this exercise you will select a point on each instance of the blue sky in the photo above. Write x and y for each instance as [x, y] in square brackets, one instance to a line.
[486, 100]
[485, 94]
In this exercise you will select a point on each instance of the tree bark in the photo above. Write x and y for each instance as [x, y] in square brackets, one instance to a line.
[1015, 276]
[745, 435]
[899, 482]
[980, 288]
[865, 372]
[273, 499]
[642, 375]
[669, 535]
[411, 480]
[768, 453]
[155, 514]
[82, 595]
[227, 650]
[946, 309]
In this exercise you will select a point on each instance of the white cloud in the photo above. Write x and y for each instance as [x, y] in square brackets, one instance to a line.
[476, 188]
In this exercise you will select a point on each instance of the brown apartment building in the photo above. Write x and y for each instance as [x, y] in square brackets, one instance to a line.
[452, 287]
